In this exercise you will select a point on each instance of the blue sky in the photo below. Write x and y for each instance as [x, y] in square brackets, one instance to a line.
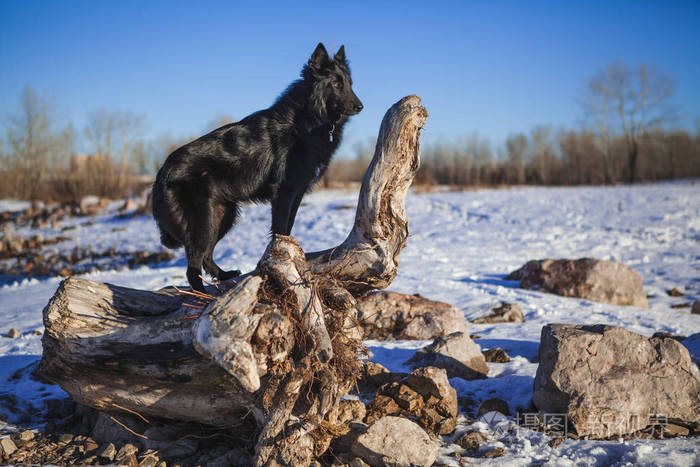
[491, 67]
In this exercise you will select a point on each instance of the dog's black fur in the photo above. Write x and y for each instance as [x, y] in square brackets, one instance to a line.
[274, 155]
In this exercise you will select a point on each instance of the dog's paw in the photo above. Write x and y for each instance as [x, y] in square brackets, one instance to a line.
[226, 275]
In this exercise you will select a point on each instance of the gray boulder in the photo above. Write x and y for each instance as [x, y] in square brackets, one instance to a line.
[596, 280]
[506, 313]
[395, 441]
[610, 381]
[456, 353]
[393, 315]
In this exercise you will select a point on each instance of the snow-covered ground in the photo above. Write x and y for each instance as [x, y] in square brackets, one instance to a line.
[461, 246]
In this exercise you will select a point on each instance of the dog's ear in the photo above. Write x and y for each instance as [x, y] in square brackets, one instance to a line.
[340, 55]
[319, 57]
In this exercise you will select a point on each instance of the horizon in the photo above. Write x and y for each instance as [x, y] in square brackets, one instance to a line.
[492, 69]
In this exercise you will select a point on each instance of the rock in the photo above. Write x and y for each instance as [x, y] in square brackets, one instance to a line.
[496, 355]
[151, 460]
[90, 445]
[381, 406]
[674, 292]
[351, 410]
[555, 442]
[496, 452]
[609, 381]
[375, 375]
[182, 448]
[26, 435]
[672, 430]
[36, 332]
[596, 280]
[7, 447]
[107, 430]
[506, 313]
[431, 381]
[471, 440]
[65, 438]
[129, 205]
[494, 405]
[108, 451]
[92, 205]
[696, 307]
[456, 353]
[126, 452]
[393, 315]
[395, 441]
[425, 394]
[13, 333]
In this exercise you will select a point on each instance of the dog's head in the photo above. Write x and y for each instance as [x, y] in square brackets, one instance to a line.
[332, 97]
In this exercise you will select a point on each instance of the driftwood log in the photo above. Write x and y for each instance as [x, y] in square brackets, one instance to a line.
[251, 349]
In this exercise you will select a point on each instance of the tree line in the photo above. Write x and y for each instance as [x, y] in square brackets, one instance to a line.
[627, 136]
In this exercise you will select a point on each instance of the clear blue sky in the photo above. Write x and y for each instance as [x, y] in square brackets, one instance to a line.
[491, 67]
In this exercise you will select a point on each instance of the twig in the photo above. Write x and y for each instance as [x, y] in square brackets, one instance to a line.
[128, 429]
[131, 412]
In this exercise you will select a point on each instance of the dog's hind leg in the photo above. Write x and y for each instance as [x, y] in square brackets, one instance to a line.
[225, 217]
[201, 235]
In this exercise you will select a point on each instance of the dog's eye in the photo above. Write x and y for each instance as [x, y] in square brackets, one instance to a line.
[338, 84]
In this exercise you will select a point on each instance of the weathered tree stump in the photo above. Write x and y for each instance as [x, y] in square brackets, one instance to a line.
[279, 346]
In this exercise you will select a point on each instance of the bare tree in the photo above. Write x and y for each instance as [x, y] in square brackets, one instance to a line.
[515, 153]
[636, 100]
[543, 153]
[115, 134]
[32, 146]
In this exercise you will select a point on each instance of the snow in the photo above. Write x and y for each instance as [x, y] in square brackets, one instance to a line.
[461, 246]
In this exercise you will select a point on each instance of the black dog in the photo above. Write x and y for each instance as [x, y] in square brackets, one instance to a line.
[274, 155]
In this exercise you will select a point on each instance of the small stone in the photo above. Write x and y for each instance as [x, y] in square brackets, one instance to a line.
[496, 355]
[13, 333]
[108, 451]
[36, 332]
[69, 450]
[673, 430]
[380, 406]
[349, 410]
[498, 452]
[128, 460]
[675, 292]
[555, 442]
[696, 307]
[494, 405]
[26, 435]
[65, 438]
[127, 449]
[456, 353]
[505, 313]
[90, 445]
[150, 459]
[471, 440]
[7, 446]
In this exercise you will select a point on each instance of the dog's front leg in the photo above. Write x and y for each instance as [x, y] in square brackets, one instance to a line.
[281, 210]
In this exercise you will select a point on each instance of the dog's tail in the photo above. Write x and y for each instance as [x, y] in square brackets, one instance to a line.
[168, 240]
